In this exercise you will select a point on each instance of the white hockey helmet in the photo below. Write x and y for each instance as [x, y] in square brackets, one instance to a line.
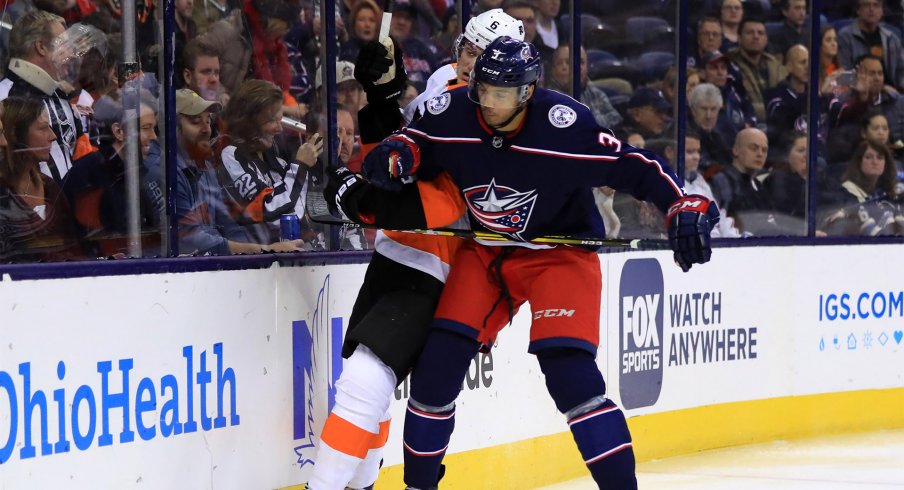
[486, 27]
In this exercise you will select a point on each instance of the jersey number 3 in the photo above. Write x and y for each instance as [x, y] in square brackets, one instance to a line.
[610, 141]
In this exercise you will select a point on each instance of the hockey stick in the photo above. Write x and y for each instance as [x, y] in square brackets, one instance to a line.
[386, 21]
[636, 244]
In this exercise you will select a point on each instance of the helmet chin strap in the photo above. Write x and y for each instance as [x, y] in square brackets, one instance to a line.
[510, 118]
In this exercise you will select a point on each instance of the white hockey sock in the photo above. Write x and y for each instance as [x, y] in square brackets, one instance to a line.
[369, 469]
[353, 429]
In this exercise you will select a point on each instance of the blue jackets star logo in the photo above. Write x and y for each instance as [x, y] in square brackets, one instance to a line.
[501, 209]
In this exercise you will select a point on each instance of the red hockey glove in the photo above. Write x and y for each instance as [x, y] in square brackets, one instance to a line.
[690, 221]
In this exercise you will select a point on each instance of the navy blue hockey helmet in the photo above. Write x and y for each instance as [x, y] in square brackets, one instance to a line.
[506, 63]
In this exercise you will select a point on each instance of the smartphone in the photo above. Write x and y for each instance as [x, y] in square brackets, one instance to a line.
[289, 123]
[847, 77]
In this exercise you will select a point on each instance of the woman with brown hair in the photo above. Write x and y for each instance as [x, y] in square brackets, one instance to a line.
[35, 217]
[260, 185]
[870, 181]
[363, 26]
[828, 58]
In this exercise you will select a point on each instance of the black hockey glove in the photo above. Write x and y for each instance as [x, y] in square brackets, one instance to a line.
[690, 221]
[372, 63]
[343, 193]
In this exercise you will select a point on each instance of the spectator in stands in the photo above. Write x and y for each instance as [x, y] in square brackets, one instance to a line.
[791, 31]
[694, 183]
[208, 12]
[648, 113]
[345, 125]
[669, 83]
[786, 184]
[759, 70]
[349, 92]
[34, 214]
[715, 150]
[730, 14]
[234, 50]
[737, 189]
[865, 36]
[201, 70]
[259, 185]
[737, 111]
[97, 73]
[351, 238]
[872, 207]
[528, 13]
[269, 22]
[486, 5]
[205, 226]
[186, 29]
[429, 22]
[419, 57]
[546, 22]
[709, 38]
[408, 95]
[33, 73]
[303, 63]
[828, 61]
[591, 96]
[444, 40]
[145, 28]
[97, 186]
[847, 111]
[786, 104]
[875, 129]
[364, 26]
[605, 198]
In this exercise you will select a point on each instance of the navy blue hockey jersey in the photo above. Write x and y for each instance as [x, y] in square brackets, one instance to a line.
[537, 180]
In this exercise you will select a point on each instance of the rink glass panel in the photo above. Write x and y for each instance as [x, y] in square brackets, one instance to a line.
[627, 47]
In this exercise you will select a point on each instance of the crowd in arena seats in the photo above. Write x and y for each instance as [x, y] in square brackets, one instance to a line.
[246, 69]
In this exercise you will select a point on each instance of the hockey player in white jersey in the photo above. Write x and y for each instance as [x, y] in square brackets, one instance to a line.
[479, 33]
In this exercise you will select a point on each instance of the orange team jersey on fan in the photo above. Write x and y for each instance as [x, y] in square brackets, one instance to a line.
[430, 254]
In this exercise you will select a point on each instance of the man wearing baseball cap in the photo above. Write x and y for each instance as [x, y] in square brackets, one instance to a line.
[205, 226]
[737, 111]
[349, 92]
[648, 113]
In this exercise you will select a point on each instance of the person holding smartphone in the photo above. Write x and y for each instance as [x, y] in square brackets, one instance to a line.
[847, 110]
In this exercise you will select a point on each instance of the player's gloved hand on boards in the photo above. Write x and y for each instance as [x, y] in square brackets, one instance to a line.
[690, 221]
[343, 192]
[380, 70]
[396, 157]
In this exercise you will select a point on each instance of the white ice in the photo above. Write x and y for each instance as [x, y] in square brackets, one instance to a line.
[871, 461]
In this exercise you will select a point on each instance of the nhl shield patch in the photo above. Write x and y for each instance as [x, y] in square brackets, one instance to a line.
[439, 103]
[562, 116]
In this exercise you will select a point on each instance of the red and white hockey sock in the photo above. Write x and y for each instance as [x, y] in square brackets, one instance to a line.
[602, 436]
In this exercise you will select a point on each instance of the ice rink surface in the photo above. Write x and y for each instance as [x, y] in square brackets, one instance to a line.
[871, 461]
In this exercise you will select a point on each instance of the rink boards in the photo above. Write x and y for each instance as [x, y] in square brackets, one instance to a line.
[223, 379]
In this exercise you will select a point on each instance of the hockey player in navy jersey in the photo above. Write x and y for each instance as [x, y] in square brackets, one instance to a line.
[525, 160]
